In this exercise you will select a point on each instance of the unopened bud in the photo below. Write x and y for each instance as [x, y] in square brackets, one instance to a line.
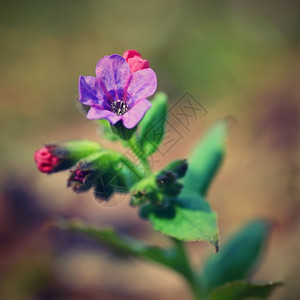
[82, 177]
[100, 171]
[46, 162]
[179, 167]
[62, 156]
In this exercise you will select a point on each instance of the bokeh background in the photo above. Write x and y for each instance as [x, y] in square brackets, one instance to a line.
[237, 58]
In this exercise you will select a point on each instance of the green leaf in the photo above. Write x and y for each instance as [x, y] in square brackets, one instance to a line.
[237, 257]
[152, 126]
[239, 290]
[123, 244]
[206, 159]
[189, 219]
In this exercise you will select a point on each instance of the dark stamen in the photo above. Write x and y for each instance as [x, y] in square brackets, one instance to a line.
[119, 107]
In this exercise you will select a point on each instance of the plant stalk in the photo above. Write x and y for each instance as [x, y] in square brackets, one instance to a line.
[187, 271]
[131, 167]
[139, 154]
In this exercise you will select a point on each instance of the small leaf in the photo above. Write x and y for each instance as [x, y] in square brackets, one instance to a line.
[123, 244]
[152, 126]
[239, 290]
[190, 219]
[206, 159]
[237, 257]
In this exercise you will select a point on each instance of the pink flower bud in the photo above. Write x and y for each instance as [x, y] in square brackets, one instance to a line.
[135, 60]
[81, 175]
[45, 160]
[130, 54]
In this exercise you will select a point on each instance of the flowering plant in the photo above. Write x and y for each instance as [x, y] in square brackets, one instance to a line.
[174, 199]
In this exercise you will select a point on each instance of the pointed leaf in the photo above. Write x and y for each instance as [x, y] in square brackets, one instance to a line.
[123, 244]
[237, 257]
[152, 126]
[206, 159]
[239, 290]
[190, 219]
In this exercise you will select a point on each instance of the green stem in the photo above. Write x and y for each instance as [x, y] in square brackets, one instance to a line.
[131, 167]
[133, 144]
[146, 166]
[187, 271]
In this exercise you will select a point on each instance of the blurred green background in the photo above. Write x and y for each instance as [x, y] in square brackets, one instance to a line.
[237, 58]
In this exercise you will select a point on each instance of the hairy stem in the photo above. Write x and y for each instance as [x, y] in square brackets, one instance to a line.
[131, 167]
[187, 271]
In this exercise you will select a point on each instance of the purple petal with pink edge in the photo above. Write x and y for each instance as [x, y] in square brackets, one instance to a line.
[96, 114]
[87, 87]
[136, 113]
[143, 84]
[113, 73]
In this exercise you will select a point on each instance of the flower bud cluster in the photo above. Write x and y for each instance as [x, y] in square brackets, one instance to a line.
[159, 189]
[100, 171]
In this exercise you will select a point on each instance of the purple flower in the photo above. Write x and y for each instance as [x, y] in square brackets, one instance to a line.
[115, 94]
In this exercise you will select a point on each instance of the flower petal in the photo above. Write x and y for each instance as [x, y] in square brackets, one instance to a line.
[136, 113]
[137, 63]
[113, 73]
[95, 114]
[131, 53]
[87, 86]
[143, 84]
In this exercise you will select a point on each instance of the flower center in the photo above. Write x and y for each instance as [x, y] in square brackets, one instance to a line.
[119, 107]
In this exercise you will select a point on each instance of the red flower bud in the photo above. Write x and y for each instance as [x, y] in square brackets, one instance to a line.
[45, 160]
[135, 60]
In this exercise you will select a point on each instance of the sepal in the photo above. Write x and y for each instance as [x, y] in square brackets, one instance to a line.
[120, 130]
